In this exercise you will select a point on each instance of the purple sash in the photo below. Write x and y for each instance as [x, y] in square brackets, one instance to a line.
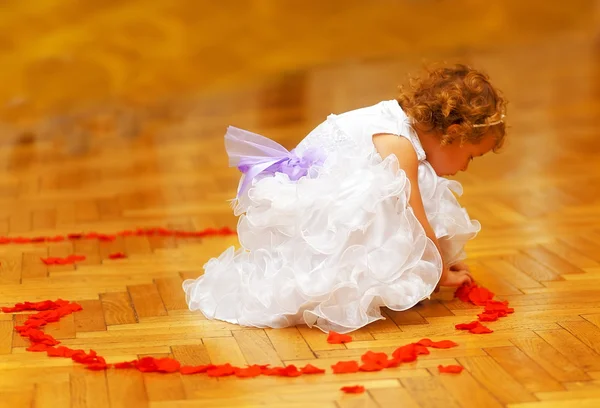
[254, 154]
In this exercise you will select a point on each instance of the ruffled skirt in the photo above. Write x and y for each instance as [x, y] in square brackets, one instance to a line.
[330, 249]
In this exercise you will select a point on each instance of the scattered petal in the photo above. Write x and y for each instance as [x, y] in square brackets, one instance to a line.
[480, 296]
[126, 364]
[291, 371]
[481, 329]
[466, 326]
[405, 354]
[311, 369]
[117, 255]
[474, 327]
[463, 292]
[369, 356]
[250, 371]
[344, 367]
[488, 316]
[337, 338]
[355, 389]
[97, 366]
[221, 370]
[442, 344]
[38, 347]
[187, 370]
[167, 365]
[450, 369]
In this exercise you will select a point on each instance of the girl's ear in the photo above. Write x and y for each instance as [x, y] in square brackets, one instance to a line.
[454, 133]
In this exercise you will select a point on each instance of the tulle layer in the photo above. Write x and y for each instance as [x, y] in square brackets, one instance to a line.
[331, 249]
[450, 222]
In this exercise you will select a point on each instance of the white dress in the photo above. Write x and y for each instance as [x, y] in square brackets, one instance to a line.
[333, 247]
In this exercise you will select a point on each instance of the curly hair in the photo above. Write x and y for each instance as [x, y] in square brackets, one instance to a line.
[456, 95]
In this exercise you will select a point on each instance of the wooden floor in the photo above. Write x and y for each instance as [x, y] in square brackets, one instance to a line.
[112, 117]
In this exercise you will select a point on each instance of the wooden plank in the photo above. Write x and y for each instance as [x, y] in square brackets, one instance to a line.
[63, 329]
[556, 364]
[89, 389]
[11, 266]
[497, 381]
[551, 260]
[146, 301]
[289, 344]
[428, 392]
[6, 336]
[171, 293]
[32, 265]
[126, 389]
[523, 369]
[572, 348]
[256, 347]
[571, 255]
[52, 394]
[586, 332]
[468, 392]
[529, 266]
[117, 308]
[91, 318]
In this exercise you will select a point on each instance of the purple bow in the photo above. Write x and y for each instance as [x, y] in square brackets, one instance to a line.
[254, 154]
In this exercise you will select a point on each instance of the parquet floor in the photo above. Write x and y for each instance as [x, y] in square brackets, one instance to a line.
[112, 118]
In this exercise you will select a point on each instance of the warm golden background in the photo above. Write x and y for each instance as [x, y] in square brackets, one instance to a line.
[112, 115]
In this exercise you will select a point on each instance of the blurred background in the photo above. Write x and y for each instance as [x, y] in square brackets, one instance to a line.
[112, 116]
[119, 106]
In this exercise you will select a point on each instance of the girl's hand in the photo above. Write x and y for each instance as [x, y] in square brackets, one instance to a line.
[456, 278]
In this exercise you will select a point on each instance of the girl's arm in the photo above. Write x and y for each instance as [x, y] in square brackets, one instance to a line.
[401, 147]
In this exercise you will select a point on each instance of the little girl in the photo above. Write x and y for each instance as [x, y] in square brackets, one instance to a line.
[358, 216]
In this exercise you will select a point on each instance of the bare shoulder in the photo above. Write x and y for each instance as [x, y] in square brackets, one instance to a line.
[387, 144]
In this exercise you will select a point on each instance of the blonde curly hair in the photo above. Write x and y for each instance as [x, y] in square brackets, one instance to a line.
[456, 95]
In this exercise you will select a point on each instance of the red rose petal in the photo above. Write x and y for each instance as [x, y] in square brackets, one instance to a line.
[479, 296]
[450, 369]
[480, 329]
[394, 362]
[355, 389]
[463, 292]
[311, 369]
[421, 349]
[38, 347]
[97, 366]
[337, 338]
[187, 370]
[500, 307]
[369, 356]
[344, 367]
[117, 255]
[147, 365]
[250, 371]
[372, 366]
[60, 351]
[467, 326]
[442, 344]
[425, 342]
[488, 317]
[405, 354]
[291, 371]
[126, 364]
[221, 370]
[167, 365]
[63, 261]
